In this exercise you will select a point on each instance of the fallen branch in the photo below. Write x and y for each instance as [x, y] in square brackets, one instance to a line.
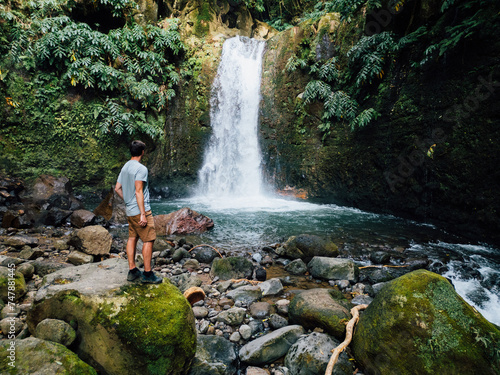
[348, 337]
[380, 266]
[253, 282]
[208, 246]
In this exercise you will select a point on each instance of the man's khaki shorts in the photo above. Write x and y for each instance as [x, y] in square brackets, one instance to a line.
[147, 233]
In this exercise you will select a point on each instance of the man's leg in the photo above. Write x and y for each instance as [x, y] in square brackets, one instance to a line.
[147, 254]
[131, 246]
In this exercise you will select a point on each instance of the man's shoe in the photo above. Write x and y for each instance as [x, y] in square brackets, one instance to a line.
[151, 279]
[134, 274]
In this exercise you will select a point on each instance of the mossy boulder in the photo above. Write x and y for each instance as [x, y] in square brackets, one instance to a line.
[307, 246]
[323, 308]
[232, 268]
[36, 356]
[122, 327]
[7, 276]
[418, 324]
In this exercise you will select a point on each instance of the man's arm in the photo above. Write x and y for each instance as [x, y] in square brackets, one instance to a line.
[139, 194]
[119, 190]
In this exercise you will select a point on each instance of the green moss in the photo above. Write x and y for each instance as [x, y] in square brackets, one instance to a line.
[232, 268]
[435, 329]
[167, 348]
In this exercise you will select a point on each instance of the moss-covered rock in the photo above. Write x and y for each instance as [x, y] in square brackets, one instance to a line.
[13, 282]
[323, 308]
[418, 324]
[125, 328]
[36, 356]
[307, 246]
[232, 268]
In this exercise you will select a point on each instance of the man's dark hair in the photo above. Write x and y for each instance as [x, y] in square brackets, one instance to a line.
[136, 148]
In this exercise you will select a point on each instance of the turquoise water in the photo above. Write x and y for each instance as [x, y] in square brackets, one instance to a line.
[244, 226]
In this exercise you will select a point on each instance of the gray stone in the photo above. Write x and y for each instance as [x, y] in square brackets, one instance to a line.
[43, 268]
[27, 269]
[200, 312]
[180, 254]
[35, 356]
[81, 218]
[268, 348]
[333, 268]
[251, 370]
[234, 316]
[276, 321]
[260, 310]
[20, 241]
[9, 311]
[310, 354]
[245, 331]
[215, 355]
[362, 299]
[184, 281]
[235, 337]
[78, 258]
[378, 286]
[245, 294]
[55, 330]
[271, 287]
[94, 240]
[296, 267]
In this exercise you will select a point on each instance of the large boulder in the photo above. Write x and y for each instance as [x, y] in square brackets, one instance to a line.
[270, 347]
[323, 308]
[183, 221]
[82, 218]
[311, 353]
[123, 327]
[306, 246]
[55, 330]
[232, 268]
[333, 268]
[36, 356]
[418, 324]
[93, 240]
[215, 355]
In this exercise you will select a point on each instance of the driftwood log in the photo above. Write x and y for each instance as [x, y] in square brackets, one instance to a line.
[348, 337]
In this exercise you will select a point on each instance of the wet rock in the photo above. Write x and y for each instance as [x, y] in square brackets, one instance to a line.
[378, 275]
[296, 267]
[35, 356]
[232, 268]
[93, 240]
[271, 287]
[234, 316]
[310, 355]
[260, 274]
[306, 246]
[180, 254]
[55, 330]
[324, 308]
[215, 355]
[183, 221]
[416, 323]
[270, 347]
[55, 216]
[380, 257]
[333, 268]
[82, 218]
[260, 310]
[245, 294]
[126, 312]
[205, 254]
[362, 299]
[78, 258]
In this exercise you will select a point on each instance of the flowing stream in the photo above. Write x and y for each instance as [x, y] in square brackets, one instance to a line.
[248, 216]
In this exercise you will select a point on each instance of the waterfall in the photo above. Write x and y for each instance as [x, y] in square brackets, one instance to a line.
[232, 160]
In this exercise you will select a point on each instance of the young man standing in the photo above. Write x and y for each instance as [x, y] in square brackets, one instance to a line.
[132, 187]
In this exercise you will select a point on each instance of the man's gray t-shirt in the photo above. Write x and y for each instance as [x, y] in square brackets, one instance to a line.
[134, 171]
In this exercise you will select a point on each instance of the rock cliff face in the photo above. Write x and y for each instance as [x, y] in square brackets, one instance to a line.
[418, 159]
